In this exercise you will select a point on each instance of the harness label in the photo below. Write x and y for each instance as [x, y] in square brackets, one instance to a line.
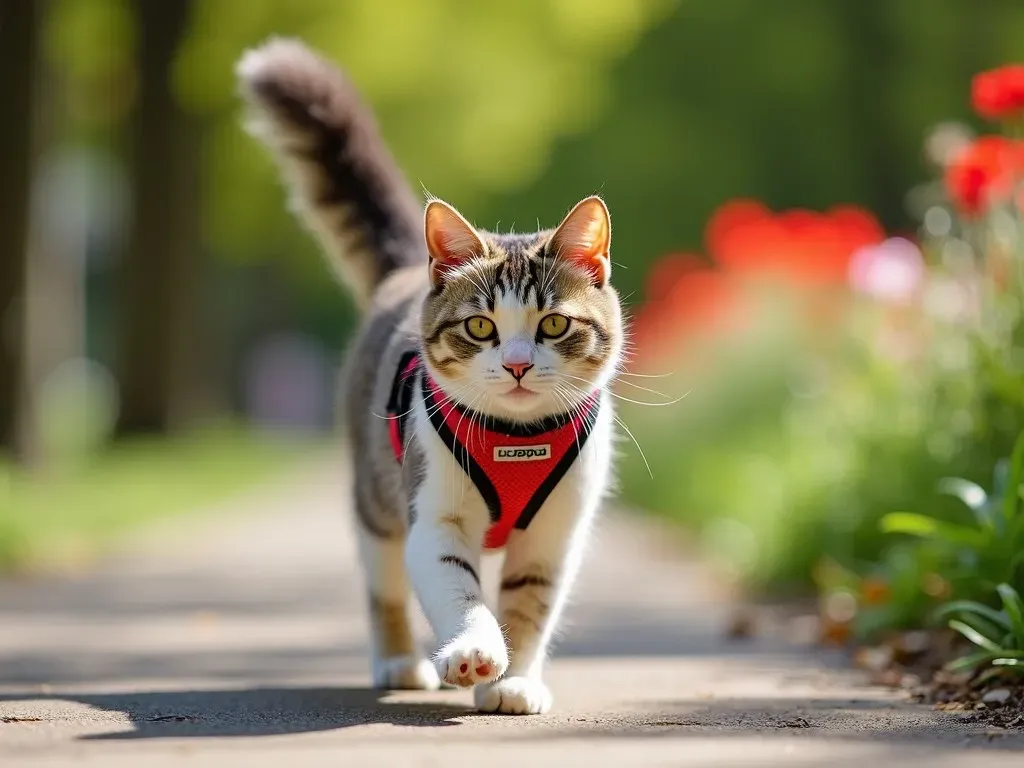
[522, 452]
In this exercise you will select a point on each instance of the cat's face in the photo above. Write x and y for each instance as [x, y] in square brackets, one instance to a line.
[521, 327]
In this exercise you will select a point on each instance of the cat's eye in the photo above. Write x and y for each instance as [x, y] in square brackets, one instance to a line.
[554, 326]
[480, 328]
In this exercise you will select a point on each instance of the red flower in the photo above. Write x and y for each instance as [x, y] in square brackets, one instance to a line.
[802, 246]
[669, 270]
[998, 94]
[686, 297]
[984, 173]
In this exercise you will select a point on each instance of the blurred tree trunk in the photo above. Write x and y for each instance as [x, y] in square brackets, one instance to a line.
[875, 56]
[19, 37]
[160, 274]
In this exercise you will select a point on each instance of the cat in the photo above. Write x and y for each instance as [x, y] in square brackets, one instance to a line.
[474, 395]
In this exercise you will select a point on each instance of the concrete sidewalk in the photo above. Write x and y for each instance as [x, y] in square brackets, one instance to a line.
[241, 641]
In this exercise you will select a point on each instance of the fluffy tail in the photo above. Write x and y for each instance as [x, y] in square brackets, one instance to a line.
[344, 184]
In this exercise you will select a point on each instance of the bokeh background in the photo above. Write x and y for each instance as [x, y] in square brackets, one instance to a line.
[170, 334]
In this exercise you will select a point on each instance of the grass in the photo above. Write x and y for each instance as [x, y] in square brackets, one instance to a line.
[998, 634]
[75, 511]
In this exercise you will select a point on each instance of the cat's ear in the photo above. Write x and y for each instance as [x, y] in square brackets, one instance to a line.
[585, 237]
[451, 240]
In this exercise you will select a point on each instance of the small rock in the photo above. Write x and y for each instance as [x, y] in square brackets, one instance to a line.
[804, 630]
[874, 659]
[997, 696]
[890, 678]
[914, 643]
[742, 625]
[910, 681]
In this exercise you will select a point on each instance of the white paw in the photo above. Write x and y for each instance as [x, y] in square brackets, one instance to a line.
[478, 655]
[405, 673]
[514, 696]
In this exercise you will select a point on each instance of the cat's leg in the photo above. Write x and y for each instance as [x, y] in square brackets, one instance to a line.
[541, 564]
[396, 660]
[540, 567]
[443, 560]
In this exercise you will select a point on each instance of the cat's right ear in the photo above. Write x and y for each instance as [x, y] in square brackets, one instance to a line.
[451, 240]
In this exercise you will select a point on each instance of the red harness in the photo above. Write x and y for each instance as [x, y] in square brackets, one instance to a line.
[515, 467]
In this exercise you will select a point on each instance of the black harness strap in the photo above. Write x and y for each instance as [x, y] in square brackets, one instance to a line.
[400, 399]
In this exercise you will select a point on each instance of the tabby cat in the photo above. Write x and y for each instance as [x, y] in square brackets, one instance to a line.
[474, 395]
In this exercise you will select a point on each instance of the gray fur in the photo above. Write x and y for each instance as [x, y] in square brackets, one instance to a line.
[350, 193]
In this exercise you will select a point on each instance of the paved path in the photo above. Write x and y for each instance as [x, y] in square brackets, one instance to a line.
[240, 641]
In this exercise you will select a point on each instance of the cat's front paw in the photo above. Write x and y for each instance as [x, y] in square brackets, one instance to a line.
[478, 655]
[405, 673]
[514, 696]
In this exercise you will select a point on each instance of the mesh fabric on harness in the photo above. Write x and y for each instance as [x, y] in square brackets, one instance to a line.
[515, 467]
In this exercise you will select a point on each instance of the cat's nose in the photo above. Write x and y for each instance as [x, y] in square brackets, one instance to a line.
[518, 370]
[517, 357]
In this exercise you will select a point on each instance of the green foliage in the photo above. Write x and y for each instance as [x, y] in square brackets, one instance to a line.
[910, 577]
[999, 634]
[977, 556]
[985, 550]
[516, 110]
[786, 451]
[471, 98]
[66, 515]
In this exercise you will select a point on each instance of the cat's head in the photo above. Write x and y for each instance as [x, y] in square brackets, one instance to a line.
[521, 326]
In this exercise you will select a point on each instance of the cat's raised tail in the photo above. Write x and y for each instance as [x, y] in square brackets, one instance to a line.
[344, 184]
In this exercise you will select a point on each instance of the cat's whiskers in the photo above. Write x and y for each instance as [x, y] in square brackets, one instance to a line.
[448, 400]
[627, 399]
[627, 430]
[463, 459]
[473, 278]
[430, 412]
[629, 433]
[445, 400]
[646, 375]
[617, 380]
[570, 413]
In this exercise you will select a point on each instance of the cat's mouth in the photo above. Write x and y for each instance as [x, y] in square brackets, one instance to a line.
[519, 392]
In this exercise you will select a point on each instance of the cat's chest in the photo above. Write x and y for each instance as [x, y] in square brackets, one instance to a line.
[514, 468]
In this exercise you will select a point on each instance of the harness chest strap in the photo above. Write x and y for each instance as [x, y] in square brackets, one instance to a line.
[515, 467]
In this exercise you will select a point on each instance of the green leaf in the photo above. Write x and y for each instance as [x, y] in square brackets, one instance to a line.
[971, 494]
[987, 674]
[975, 636]
[1011, 498]
[1014, 609]
[1007, 662]
[928, 527]
[1016, 529]
[991, 630]
[970, 661]
[1016, 562]
[978, 609]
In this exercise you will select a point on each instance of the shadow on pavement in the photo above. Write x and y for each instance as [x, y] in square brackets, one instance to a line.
[888, 722]
[252, 712]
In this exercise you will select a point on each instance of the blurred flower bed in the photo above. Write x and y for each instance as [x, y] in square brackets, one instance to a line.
[853, 397]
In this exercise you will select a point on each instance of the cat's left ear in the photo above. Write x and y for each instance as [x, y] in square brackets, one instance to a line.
[451, 240]
[585, 237]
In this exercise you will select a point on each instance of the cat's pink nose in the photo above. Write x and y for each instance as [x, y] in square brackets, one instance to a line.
[518, 370]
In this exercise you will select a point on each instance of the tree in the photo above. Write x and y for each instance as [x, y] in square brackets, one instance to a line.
[160, 270]
[19, 27]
